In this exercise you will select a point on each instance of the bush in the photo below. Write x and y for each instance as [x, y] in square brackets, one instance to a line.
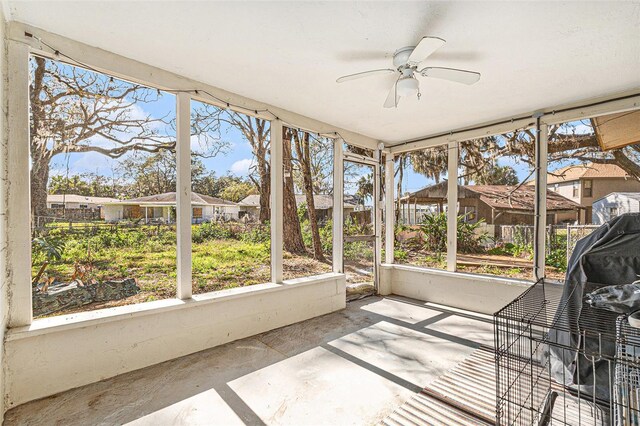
[400, 254]
[557, 259]
[434, 230]
[256, 234]
[510, 249]
[210, 231]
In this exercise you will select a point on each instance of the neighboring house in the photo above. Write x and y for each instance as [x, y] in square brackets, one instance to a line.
[494, 204]
[615, 204]
[162, 207]
[73, 206]
[588, 182]
[323, 206]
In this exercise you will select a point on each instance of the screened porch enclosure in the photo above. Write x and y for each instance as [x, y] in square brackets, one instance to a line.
[270, 242]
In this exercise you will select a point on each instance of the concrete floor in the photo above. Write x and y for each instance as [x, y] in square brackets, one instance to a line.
[350, 367]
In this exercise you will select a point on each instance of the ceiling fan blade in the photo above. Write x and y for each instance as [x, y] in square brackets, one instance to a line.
[364, 74]
[392, 97]
[451, 74]
[425, 48]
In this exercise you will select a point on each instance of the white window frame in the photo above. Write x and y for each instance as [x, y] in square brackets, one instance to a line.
[18, 229]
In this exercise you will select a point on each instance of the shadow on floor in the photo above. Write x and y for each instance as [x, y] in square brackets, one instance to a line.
[352, 366]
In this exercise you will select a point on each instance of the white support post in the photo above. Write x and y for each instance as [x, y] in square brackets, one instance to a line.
[377, 218]
[277, 201]
[452, 206]
[338, 204]
[183, 194]
[540, 228]
[16, 253]
[389, 213]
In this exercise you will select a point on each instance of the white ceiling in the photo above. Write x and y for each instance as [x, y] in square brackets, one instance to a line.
[531, 55]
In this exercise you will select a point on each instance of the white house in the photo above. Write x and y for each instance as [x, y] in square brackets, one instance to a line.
[615, 204]
[161, 208]
[74, 201]
[324, 205]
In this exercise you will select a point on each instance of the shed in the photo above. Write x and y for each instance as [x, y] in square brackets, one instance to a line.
[495, 204]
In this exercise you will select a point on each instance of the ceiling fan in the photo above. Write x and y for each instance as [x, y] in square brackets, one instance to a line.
[406, 60]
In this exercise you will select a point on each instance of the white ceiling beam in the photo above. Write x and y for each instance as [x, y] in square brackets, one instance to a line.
[613, 104]
[138, 72]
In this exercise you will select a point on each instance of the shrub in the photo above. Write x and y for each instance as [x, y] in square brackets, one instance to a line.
[557, 259]
[256, 234]
[434, 229]
[400, 254]
[210, 231]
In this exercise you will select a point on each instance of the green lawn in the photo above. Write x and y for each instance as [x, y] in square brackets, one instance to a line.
[223, 256]
[148, 254]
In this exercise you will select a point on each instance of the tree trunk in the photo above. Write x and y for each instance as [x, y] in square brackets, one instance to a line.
[265, 189]
[400, 177]
[39, 180]
[292, 237]
[304, 155]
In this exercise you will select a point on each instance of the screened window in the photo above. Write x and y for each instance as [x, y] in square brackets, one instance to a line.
[97, 136]
[495, 216]
[230, 183]
[421, 207]
[308, 203]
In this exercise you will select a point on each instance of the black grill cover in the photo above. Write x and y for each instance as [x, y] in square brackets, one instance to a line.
[608, 256]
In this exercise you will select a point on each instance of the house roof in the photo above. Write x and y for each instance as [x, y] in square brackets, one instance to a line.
[170, 198]
[322, 201]
[75, 198]
[585, 171]
[631, 195]
[506, 197]
[499, 197]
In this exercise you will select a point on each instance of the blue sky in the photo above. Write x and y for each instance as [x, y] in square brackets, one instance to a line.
[236, 160]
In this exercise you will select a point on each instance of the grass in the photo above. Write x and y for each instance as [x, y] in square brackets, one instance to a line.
[219, 264]
[223, 256]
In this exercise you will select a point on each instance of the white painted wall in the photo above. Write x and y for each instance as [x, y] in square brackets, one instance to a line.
[112, 213]
[4, 297]
[477, 293]
[60, 353]
[624, 204]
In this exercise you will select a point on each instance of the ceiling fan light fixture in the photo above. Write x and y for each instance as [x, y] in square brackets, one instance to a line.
[407, 86]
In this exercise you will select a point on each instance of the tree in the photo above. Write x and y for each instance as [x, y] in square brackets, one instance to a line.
[402, 162]
[320, 164]
[256, 133]
[78, 111]
[150, 174]
[364, 188]
[303, 148]
[569, 142]
[69, 185]
[292, 238]
[430, 162]
[498, 175]
[237, 190]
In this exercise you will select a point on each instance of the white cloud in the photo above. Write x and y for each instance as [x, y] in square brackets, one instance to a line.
[241, 167]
